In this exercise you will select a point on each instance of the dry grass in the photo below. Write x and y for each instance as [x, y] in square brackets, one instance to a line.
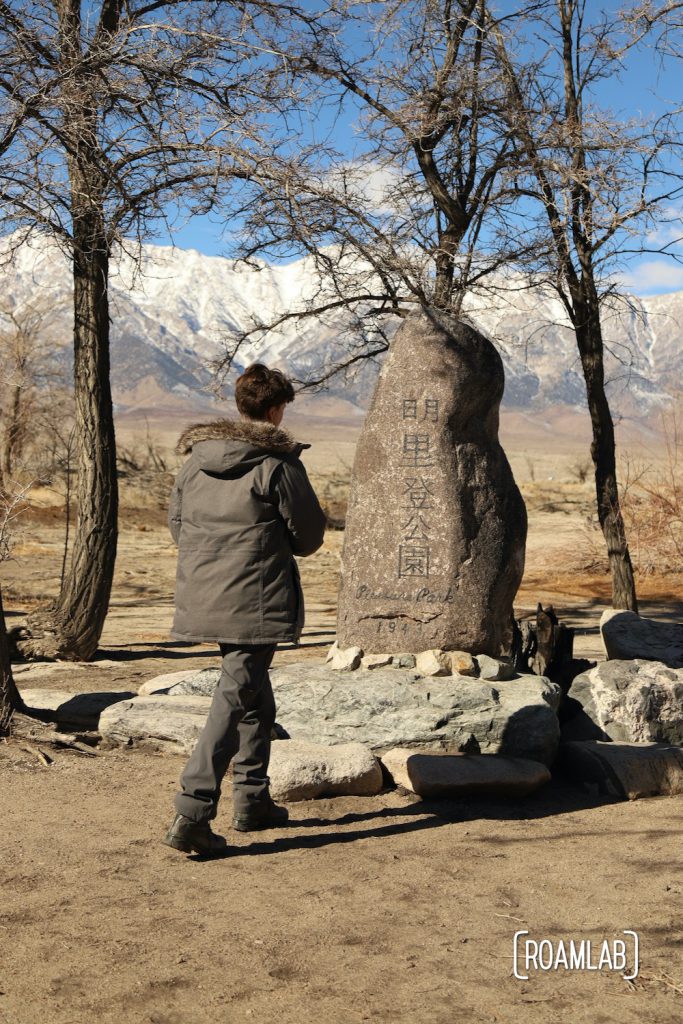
[651, 486]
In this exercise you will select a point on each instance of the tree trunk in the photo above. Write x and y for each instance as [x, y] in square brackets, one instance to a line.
[10, 700]
[13, 433]
[72, 629]
[449, 241]
[591, 349]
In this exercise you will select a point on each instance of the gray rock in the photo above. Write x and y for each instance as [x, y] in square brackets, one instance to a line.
[435, 531]
[433, 663]
[305, 771]
[631, 700]
[164, 721]
[404, 660]
[455, 775]
[196, 684]
[624, 770]
[626, 635]
[75, 710]
[346, 659]
[462, 664]
[395, 707]
[494, 669]
[372, 661]
[202, 682]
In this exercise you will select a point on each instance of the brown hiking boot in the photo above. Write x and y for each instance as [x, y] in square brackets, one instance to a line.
[264, 814]
[194, 837]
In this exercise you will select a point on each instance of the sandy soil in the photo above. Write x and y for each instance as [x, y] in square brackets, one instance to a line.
[382, 909]
[379, 909]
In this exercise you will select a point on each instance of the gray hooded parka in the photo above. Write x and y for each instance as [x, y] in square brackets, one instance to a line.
[241, 508]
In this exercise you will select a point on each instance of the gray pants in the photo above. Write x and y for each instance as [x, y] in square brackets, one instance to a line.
[238, 728]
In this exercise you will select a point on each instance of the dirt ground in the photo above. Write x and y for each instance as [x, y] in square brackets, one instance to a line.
[384, 909]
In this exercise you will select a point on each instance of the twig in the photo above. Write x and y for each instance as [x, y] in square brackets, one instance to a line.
[42, 757]
[71, 743]
[665, 979]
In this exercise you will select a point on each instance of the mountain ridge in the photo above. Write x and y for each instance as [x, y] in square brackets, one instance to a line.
[172, 313]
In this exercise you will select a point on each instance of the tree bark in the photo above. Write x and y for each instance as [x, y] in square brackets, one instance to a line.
[603, 451]
[71, 629]
[444, 261]
[13, 433]
[10, 700]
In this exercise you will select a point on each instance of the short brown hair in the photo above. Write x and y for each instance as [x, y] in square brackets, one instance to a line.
[258, 389]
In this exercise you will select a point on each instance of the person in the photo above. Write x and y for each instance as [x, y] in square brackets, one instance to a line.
[242, 506]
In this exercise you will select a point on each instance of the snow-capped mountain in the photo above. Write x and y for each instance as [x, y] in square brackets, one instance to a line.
[176, 312]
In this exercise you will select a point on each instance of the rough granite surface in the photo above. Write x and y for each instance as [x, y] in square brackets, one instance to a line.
[632, 700]
[436, 527]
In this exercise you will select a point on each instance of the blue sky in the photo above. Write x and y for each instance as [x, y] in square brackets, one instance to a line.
[645, 89]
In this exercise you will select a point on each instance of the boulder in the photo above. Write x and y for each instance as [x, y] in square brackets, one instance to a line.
[371, 661]
[305, 771]
[627, 635]
[163, 721]
[344, 659]
[391, 707]
[163, 683]
[628, 700]
[624, 770]
[192, 683]
[404, 660]
[462, 664]
[433, 663]
[493, 669]
[436, 527]
[459, 775]
[74, 710]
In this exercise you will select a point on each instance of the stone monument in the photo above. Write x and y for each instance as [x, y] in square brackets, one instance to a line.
[435, 533]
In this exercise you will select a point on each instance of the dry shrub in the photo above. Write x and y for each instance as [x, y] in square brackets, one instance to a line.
[147, 471]
[652, 505]
[333, 489]
[651, 491]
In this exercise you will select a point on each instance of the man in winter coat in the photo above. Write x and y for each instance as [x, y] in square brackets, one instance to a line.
[241, 508]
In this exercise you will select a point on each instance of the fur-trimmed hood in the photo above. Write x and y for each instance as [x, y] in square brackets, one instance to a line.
[225, 444]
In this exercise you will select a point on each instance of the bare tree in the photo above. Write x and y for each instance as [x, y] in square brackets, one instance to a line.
[419, 213]
[112, 114]
[472, 132]
[29, 367]
[666, 19]
[592, 176]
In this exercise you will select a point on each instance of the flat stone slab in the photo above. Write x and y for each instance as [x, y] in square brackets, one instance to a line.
[627, 635]
[298, 771]
[385, 708]
[187, 682]
[169, 722]
[634, 701]
[79, 710]
[456, 775]
[624, 770]
[305, 771]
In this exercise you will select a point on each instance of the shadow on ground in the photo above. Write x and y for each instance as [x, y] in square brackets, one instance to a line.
[555, 799]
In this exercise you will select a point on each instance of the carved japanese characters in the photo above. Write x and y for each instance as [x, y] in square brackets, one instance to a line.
[436, 527]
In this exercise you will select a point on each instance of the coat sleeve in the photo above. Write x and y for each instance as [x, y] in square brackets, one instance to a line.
[299, 507]
[175, 515]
